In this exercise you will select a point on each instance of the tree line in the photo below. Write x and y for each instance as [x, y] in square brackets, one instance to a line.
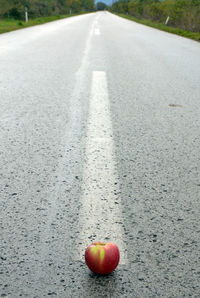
[183, 14]
[39, 8]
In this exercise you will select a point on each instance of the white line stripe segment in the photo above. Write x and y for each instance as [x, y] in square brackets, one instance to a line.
[97, 31]
[100, 214]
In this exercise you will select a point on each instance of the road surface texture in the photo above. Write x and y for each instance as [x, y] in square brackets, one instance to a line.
[99, 140]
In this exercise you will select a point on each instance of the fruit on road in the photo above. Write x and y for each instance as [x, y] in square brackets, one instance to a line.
[102, 258]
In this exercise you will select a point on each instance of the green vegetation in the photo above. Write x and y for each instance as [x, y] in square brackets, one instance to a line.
[12, 12]
[43, 8]
[7, 25]
[101, 6]
[188, 34]
[184, 15]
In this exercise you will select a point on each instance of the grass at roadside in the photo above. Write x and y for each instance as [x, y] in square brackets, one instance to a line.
[7, 25]
[188, 34]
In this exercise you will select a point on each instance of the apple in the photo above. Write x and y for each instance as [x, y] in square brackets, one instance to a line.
[102, 258]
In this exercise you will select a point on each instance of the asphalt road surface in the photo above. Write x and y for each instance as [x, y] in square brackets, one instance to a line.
[99, 140]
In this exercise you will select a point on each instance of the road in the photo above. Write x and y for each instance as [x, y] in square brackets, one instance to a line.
[99, 140]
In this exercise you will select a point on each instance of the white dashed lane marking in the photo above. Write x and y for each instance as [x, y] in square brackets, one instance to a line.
[97, 31]
[100, 215]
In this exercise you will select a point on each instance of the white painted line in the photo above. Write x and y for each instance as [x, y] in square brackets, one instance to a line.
[68, 140]
[97, 31]
[100, 215]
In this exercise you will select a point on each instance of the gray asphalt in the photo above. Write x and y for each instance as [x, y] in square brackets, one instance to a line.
[153, 82]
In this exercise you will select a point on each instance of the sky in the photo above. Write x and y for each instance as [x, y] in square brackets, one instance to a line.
[108, 2]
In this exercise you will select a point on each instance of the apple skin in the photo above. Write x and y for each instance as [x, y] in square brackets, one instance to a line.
[102, 258]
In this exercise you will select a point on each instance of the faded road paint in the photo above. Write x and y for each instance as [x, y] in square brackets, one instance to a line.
[100, 215]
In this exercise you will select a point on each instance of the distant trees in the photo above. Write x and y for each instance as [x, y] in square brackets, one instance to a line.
[5, 6]
[101, 6]
[38, 8]
[184, 14]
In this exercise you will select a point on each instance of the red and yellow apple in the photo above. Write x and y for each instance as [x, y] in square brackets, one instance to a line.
[102, 258]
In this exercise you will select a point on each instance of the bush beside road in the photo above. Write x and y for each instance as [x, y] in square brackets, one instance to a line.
[178, 31]
[7, 25]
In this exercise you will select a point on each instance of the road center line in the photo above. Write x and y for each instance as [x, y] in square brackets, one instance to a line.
[100, 215]
[97, 31]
